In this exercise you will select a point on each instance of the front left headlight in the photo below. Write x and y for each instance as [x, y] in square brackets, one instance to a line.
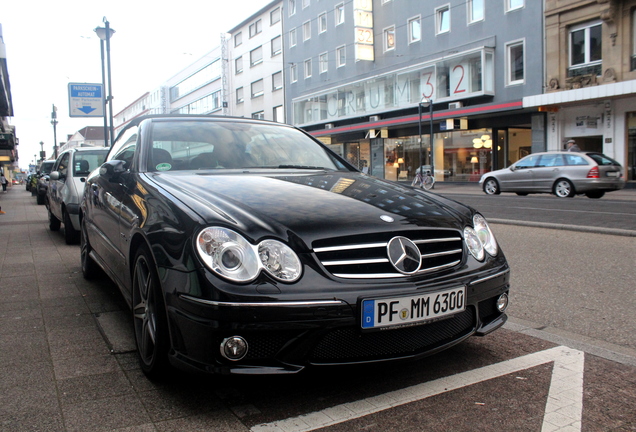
[231, 256]
[480, 239]
[485, 235]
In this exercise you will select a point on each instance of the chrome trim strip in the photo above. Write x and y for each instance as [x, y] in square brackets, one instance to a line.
[393, 275]
[437, 240]
[450, 252]
[430, 269]
[264, 304]
[347, 247]
[353, 262]
[371, 276]
[501, 273]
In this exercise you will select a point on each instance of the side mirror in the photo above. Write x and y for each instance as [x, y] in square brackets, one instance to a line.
[55, 175]
[111, 170]
[512, 168]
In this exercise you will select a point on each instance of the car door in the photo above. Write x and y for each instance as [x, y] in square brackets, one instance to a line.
[56, 187]
[104, 209]
[549, 168]
[519, 178]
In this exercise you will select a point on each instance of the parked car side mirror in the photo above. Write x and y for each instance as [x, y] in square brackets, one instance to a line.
[55, 175]
[512, 168]
[111, 170]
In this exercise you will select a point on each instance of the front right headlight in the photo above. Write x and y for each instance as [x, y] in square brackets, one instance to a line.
[231, 256]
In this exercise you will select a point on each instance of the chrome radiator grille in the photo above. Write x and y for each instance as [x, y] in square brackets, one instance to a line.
[367, 257]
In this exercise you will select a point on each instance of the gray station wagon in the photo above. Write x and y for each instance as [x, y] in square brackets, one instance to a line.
[561, 173]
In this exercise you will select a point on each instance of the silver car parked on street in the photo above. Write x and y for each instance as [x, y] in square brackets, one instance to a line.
[66, 188]
[561, 173]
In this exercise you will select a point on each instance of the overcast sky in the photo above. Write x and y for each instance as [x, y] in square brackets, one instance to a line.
[51, 44]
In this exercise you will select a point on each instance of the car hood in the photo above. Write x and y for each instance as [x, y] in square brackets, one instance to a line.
[311, 205]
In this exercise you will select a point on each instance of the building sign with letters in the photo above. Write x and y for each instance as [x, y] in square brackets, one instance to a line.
[363, 24]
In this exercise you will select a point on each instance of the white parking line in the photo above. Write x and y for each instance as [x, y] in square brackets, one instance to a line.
[563, 412]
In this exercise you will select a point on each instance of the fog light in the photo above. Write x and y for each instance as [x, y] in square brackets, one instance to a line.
[502, 302]
[234, 348]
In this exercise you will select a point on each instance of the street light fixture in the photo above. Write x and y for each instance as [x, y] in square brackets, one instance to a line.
[54, 123]
[105, 33]
[427, 102]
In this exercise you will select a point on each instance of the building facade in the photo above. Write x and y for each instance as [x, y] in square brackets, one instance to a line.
[591, 77]
[361, 75]
[8, 140]
[255, 58]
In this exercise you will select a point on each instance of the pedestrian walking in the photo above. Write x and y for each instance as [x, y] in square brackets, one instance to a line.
[572, 146]
[4, 182]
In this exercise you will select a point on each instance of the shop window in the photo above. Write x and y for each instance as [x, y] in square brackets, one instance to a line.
[585, 49]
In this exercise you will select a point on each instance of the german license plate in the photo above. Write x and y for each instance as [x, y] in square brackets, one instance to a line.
[398, 311]
[612, 174]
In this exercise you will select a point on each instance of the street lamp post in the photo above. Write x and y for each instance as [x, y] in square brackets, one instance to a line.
[105, 33]
[426, 102]
[54, 123]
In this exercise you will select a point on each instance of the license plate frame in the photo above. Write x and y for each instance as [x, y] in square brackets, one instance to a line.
[412, 309]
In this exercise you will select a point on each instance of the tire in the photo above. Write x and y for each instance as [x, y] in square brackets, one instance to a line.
[54, 223]
[149, 317]
[429, 182]
[491, 187]
[90, 269]
[71, 235]
[40, 199]
[594, 194]
[563, 188]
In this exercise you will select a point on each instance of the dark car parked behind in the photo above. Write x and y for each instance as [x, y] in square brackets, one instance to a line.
[245, 246]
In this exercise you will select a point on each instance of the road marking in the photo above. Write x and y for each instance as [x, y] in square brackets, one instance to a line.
[563, 411]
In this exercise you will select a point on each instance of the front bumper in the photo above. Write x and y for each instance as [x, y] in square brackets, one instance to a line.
[288, 336]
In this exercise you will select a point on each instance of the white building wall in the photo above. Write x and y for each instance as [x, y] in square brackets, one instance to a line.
[264, 70]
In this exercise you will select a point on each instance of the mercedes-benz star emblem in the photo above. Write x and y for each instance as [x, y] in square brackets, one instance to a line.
[404, 255]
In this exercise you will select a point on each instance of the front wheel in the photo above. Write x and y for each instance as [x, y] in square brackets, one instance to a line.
[563, 188]
[491, 187]
[149, 316]
[428, 182]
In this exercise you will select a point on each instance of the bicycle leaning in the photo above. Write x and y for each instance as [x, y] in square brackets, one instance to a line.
[425, 180]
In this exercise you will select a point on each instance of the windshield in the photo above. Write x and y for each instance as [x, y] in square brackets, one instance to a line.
[208, 145]
[46, 167]
[87, 161]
